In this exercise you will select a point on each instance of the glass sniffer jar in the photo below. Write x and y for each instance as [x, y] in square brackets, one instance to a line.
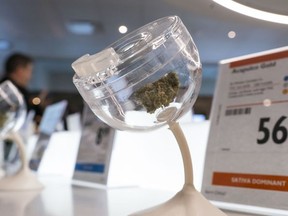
[149, 78]
[110, 80]
[12, 117]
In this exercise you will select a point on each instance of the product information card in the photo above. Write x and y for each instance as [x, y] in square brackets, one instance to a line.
[95, 150]
[247, 154]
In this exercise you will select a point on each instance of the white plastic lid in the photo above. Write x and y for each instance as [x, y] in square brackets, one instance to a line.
[102, 64]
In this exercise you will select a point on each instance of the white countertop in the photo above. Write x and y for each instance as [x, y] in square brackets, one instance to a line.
[60, 198]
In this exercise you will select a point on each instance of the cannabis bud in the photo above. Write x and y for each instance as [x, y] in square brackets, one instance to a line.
[158, 94]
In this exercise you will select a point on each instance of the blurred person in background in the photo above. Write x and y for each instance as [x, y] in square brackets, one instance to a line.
[18, 69]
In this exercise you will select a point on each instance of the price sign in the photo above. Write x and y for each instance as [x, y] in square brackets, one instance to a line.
[247, 153]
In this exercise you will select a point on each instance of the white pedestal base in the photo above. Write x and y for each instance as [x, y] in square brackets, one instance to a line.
[187, 202]
[23, 180]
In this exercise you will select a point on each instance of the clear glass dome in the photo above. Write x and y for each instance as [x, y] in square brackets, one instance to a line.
[12, 108]
[142, 81]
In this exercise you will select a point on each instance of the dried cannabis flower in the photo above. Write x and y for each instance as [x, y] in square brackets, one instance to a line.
[3, 119]
[158, 94]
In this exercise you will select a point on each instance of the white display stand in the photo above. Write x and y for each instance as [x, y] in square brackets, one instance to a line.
[154, 156]
[137, 159]
[246, 160]
[60, 155]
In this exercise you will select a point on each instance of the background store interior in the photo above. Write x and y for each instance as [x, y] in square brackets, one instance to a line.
[56, 32]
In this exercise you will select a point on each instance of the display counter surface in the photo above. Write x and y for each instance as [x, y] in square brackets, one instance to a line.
[60, 198]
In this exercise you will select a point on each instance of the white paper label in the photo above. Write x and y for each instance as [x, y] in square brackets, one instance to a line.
[247, 153]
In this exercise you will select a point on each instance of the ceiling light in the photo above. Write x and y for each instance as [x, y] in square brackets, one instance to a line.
[252, 12]
[231, 34]
[81, 27]
[123, 29]
[4, 45]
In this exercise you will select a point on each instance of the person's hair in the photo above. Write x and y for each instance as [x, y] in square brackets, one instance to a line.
[16, 60]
